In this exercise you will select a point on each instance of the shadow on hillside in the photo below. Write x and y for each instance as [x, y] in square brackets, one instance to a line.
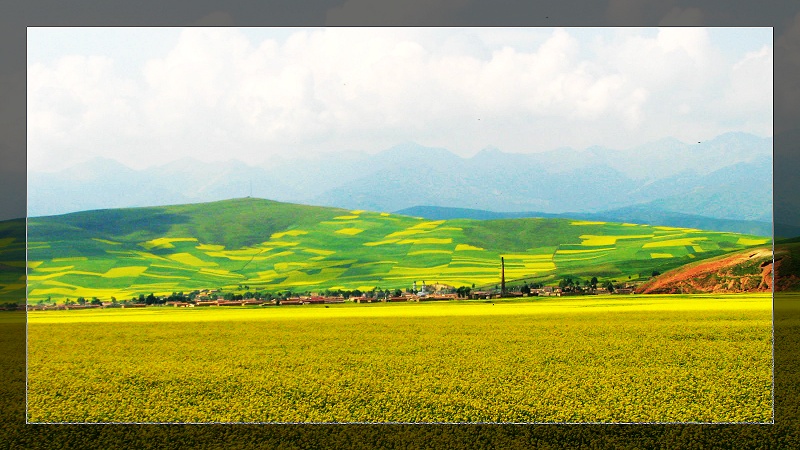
[125, 222]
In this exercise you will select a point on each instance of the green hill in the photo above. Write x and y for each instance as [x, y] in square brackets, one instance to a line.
[274, 246]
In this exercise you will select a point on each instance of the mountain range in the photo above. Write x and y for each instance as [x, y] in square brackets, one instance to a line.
[727, 179]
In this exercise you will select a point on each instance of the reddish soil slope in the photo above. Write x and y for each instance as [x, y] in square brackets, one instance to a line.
[745, 271]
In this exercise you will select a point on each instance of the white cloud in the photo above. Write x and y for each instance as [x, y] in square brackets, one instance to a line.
[217, 94]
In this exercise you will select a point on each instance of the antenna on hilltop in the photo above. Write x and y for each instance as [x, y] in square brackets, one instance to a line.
[251, 189]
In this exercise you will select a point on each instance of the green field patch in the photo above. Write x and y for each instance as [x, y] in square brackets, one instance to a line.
[217, 272]
[165, 242]
[591, 240]
[606, 240]
[302, 278]
[689, 241]
[54, 269]
[127, 254]
[211, 247]
[480, 265]
[584, 257]
[279, 255]
[428, 225]
[242, 255]
[167, 277]
[58, 283]
[586, 222]
[287, 266]
[279, 244]
[351, 217]
[349, 231]
[106, 241]
[288, 233]
[73, 258]
[61, 274]
[583, 251]
[246, 251]
[319, 251]
[467, 247]
[661, 255]
[426, 241]
[267, 274]
[129, 271]
[540, 266]
[752, 241]
[659, 234]
[406, 232]
[522, 257]
[373, 263]
[190, 259]
[147, 255]
[43, 292]
[174, 267]
[425, 252]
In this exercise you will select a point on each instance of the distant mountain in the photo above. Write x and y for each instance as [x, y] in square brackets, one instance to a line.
[729, 177]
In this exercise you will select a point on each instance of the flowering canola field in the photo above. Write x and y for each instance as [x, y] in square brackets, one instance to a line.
[701, 358]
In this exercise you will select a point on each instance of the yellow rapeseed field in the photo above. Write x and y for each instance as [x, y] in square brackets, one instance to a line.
[703, 358]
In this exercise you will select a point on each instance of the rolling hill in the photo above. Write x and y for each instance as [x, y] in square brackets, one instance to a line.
[635, 214]
[251, 243]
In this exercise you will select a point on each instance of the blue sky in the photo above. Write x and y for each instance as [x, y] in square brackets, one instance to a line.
[146, 96]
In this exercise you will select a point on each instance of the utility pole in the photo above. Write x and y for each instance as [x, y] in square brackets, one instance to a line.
[502, 277]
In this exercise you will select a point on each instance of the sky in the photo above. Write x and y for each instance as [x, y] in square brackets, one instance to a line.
[148, 96]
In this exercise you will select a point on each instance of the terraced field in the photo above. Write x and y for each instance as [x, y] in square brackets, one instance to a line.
[259, 244]
[12, 261]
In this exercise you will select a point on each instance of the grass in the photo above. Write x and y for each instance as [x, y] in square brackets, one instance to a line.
[703, 358]
[274, 246]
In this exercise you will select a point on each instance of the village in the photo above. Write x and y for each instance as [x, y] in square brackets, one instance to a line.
[427, 293]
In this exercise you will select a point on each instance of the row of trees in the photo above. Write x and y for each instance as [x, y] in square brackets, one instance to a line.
[567, 284]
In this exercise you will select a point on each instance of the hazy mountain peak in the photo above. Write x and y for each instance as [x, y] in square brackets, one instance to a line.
[411, 151]
[488, 152]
